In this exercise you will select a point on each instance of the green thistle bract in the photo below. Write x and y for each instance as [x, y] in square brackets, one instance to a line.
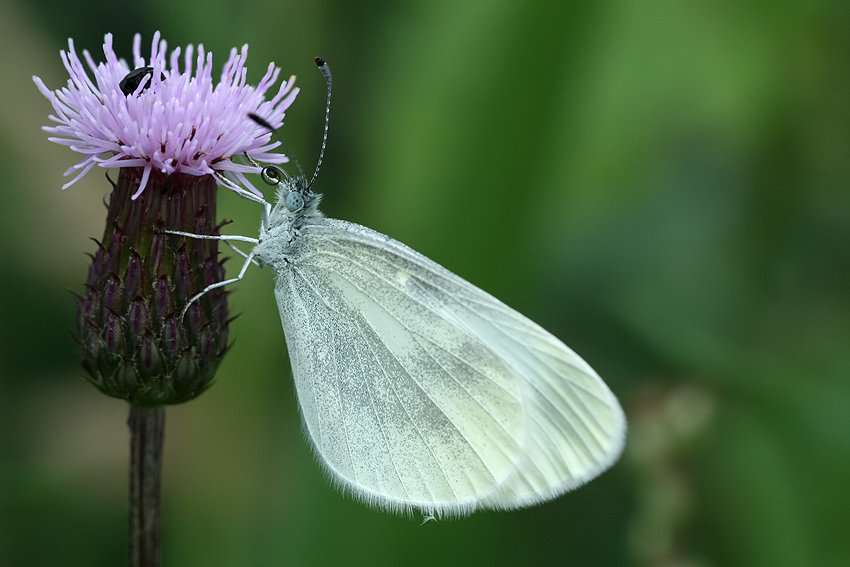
[132, 342]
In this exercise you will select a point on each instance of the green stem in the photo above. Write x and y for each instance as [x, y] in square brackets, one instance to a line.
[147, 429]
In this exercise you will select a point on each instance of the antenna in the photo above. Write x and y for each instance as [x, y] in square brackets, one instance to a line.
[326, 71]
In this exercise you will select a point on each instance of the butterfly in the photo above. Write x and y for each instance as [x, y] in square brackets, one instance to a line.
[418, 390]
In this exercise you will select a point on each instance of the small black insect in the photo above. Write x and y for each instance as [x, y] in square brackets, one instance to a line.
[129, 83]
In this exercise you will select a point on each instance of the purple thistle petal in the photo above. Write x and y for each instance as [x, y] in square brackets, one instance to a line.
[86, 165]
[143, 183]
[175, 121]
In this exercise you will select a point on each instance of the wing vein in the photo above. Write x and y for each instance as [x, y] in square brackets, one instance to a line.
[381, 424]
[422, 389]
[406, 412]
[418, 336]
[319, 440]
[341, 404]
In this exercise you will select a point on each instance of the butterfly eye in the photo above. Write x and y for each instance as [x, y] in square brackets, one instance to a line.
[294, 202]
[271, 175]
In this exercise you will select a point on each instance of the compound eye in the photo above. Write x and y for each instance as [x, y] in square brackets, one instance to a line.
[294, 202]
[271, 175]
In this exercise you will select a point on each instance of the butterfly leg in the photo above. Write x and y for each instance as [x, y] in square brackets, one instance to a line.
[244, 193]
[224, 237]
[241, 191]
[248, 259]
[238, 251]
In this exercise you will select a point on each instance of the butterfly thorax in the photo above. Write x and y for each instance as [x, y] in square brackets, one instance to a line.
[280, 238]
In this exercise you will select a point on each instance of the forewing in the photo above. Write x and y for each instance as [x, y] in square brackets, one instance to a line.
[419, 389]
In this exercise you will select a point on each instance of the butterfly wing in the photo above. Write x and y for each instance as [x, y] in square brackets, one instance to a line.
[419, 390]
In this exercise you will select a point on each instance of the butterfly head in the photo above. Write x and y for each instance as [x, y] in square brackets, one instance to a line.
[295, 201]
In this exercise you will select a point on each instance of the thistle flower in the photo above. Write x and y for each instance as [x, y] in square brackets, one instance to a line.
[174, 135]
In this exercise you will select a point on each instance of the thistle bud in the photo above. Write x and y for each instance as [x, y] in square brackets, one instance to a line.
[133, 344]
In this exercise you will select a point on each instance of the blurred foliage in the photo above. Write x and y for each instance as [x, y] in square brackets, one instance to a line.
[662, 184]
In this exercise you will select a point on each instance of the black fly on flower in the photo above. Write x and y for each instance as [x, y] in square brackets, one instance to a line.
[175, 134]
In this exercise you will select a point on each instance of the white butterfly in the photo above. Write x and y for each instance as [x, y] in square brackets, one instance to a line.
[417, 389]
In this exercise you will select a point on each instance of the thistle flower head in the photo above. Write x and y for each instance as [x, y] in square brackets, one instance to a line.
[172, 133]
[170, 117]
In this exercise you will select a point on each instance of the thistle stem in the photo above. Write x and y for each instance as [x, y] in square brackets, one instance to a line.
[147, 429]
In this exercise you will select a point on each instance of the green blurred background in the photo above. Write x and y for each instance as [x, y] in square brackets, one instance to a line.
[662, 184]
